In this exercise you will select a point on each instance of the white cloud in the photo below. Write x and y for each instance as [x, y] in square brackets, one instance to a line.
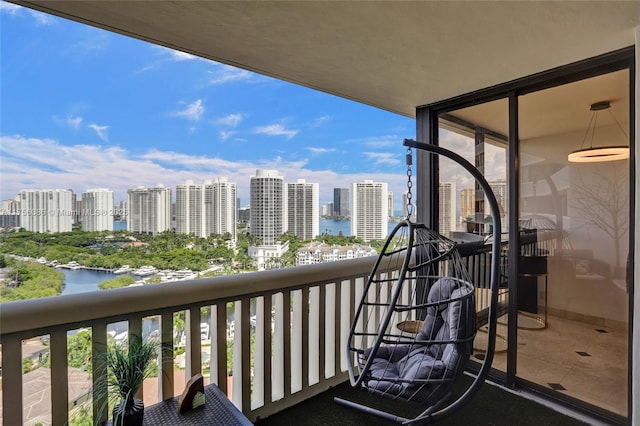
[10, 8]
[231, 120]
[224, 135]
[15, 10]
[276, 130]
[384, 141]
[30, 163]
[320, 121]
[175, 55]
[317, 150]
[225, 74]
[71, 121]
[92, 40]
[169, 55]
[74, 122]
[101, 131]
[192, 112]
[383, 158]
[41, 18]
[179, 56]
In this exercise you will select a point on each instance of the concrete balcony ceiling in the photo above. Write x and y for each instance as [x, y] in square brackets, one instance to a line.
[391, 55]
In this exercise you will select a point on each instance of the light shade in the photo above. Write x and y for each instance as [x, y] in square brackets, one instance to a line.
[603, 153]
[594, 155]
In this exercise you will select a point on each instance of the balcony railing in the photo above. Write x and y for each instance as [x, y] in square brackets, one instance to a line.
[310, 309]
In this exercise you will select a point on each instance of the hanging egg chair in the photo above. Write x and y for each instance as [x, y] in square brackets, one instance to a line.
[413, 330]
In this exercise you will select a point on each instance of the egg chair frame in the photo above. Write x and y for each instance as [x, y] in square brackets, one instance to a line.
[448, 296]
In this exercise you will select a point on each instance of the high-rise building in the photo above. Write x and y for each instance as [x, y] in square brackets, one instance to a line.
[10, 213]
[189, 210]
[447, 210]
[467, 203]
[149, 210]
[499, 188]
[220, 207]
[341, 202]
[390, 203]
[268, 210]
[76, 207]
[122, 211]
[46, 210]
[244, 214]
[97, 210]
[302, 209]
[329, 210]
[369, 210]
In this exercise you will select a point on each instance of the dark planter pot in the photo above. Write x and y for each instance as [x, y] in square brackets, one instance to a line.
[132, 416]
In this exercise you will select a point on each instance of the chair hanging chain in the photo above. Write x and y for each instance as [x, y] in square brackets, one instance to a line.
[409, 160]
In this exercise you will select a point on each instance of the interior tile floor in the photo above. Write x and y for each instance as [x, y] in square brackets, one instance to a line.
[581, 360]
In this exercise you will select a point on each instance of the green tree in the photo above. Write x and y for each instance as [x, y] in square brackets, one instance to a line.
[116, 283]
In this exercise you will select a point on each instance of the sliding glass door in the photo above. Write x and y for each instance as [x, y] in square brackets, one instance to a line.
[572, 282]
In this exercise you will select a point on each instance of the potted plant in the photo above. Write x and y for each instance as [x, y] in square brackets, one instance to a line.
[128, 364]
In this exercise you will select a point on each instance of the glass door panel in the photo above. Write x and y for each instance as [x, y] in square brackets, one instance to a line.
[572, 289]
[480, 135]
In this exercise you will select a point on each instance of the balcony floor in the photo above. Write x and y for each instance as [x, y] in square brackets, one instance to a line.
[491, 406]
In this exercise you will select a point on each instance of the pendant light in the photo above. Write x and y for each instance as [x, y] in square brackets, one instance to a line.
[603, 153]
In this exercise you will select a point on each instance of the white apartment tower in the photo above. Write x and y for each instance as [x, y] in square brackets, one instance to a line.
[447, 213]
[391, 213]
[268, 211]
[97, 210]
[303, 201]
[369, 210]
[149, 210]
[46, 210]
[220, 207]
[189, 209]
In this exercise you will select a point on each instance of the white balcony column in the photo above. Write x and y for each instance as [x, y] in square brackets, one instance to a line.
[314, 335]
[278, 348]
[296, 342]
[330, 349]
[347, 296]
[237, 355]
[259, 356]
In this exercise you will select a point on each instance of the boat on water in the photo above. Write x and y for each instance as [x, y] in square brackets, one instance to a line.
[71, 265]
[122, 270]
[145, 270]
[182, 273]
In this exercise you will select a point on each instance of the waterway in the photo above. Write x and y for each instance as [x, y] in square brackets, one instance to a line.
[334, 227]
[83, 280]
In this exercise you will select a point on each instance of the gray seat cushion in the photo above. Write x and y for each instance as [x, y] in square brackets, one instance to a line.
[416, 371]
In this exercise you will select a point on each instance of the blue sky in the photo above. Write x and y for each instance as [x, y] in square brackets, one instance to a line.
[84, 108]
